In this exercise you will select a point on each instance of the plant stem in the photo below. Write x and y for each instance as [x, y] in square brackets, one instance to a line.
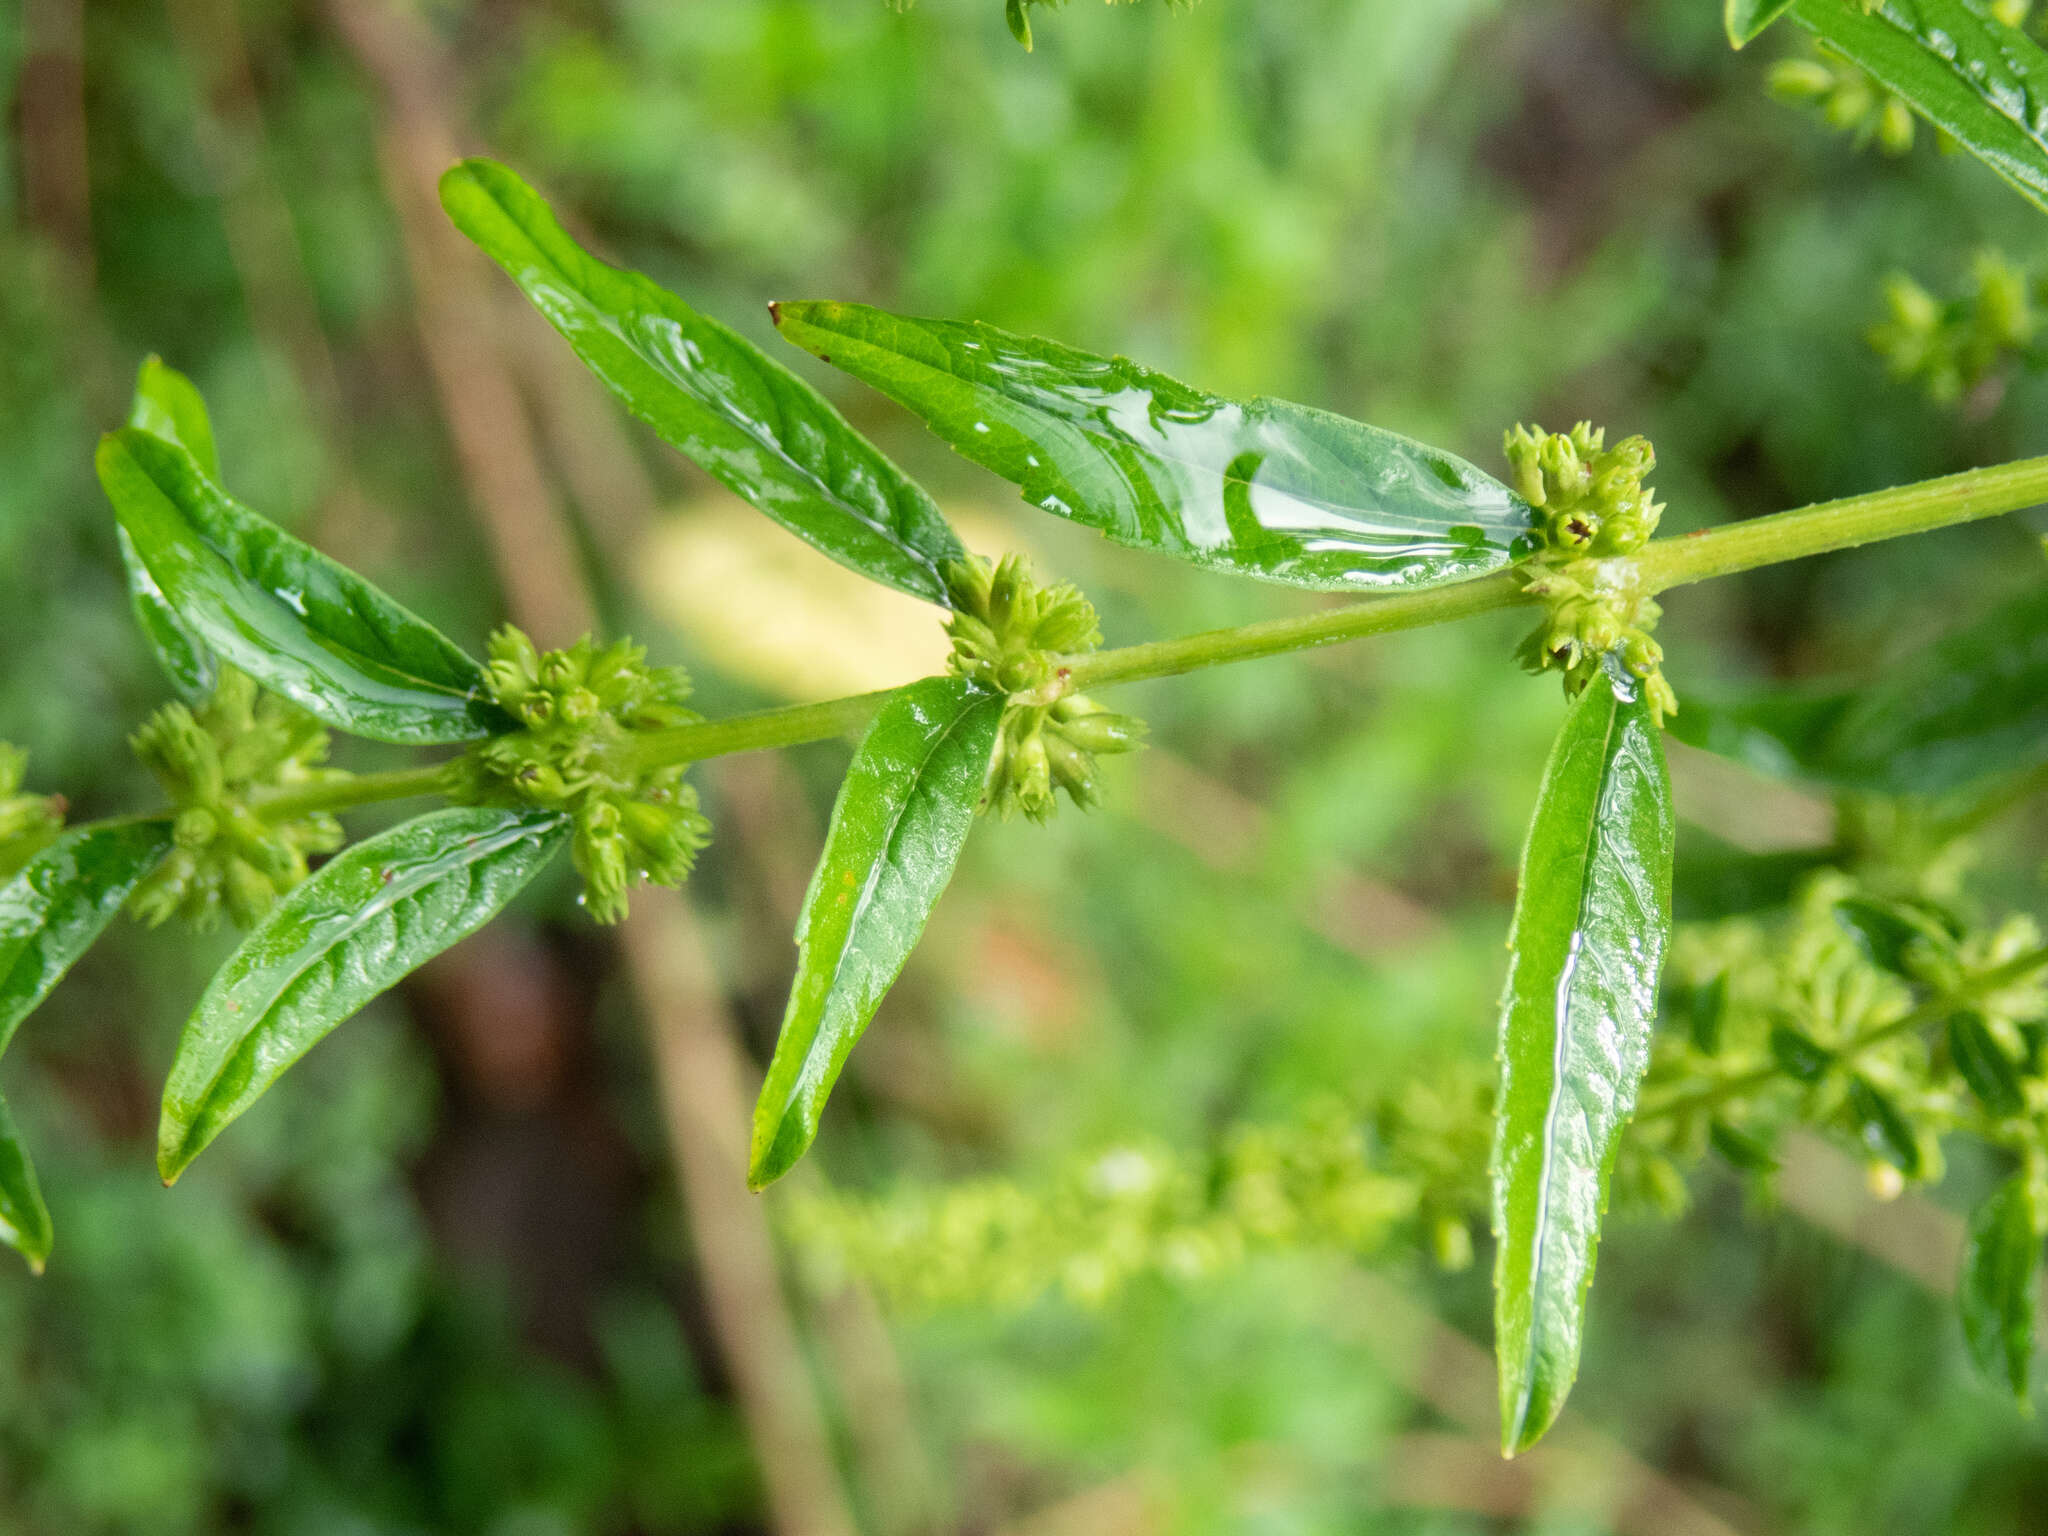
[1666, 563]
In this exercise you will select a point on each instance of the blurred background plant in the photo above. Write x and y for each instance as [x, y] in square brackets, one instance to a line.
[444, 1279]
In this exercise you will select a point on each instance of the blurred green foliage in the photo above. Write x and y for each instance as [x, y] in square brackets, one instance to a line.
[1438, 218]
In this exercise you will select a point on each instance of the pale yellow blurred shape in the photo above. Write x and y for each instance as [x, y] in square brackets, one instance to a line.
[766, 608]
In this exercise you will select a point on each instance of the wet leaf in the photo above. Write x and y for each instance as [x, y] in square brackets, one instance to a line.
[1747, 18]
[24, 1219]
[900, 822]
[1970, 707]
[296, 621]
[60, 901]
[1982, 1063]
[1999, 1290]
[168, 405]
[1258, 488]
[364, 920]
[1590, 926]
[1983, 82]
[749, 422]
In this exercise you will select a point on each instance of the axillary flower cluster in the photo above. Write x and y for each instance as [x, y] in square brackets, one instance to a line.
[27, 822]
[1596, 513]
[1008, 635]
[216, 761]
[580, 709]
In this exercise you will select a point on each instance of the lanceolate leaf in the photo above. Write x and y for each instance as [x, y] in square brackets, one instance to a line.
[1983, 1064]
[168, 405]
[1258, 488]
[1746, 18]
[1984, 82]
[24, 1219]
[1970, 707]
[287, 615]
[366, 918]
[748, 421]
[60, 901]
[1591, 921]
[1998, 1293]
[897, 830]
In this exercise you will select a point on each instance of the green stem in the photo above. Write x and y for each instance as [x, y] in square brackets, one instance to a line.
[1666, 563]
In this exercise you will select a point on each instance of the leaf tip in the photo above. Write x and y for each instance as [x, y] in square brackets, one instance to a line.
[775, 312]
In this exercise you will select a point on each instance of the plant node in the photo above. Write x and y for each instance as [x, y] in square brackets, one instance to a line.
[1010, 635]
[1596, 514]
[582, 707]
[215, 762]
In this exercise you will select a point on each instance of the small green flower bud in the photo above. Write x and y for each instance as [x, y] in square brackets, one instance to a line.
[578, 706]
[601, 861]
[540, 783]
[1104, 733]
[13, 768]
[195, 827]
[249, 893]
[1587, 439]
[1073, 770]
[1031, 777]
[1573, 529]
[1564, 472]
[1895, 126]
[1523, 449]
[1799, 80]
[1005, 587]
[1912, 307]
[1450, 1241]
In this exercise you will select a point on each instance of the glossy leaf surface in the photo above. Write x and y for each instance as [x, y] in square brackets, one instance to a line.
[168, 405]
[1999, 1288]
[1982, 81]
[60, 901]
[1591, 921]
[294, 620]
[24, 1218]
[1746, 18]
[362, 921]
[1970, 707]
[1259, 488]
[749, 422]
[898, 826]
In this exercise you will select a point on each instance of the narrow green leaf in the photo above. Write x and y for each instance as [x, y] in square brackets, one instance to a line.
[168, 405]
[1983, 1064]
[900, 822]
[24, 1219]
[1999, 1291]
[1970, 707]
[1741, 1149]
[1260, 488]
[291, 618]
[1885, 1131]
[1706, 1009]
[1591, 920]
[60, 901]
[1747, 18]
[1716, 879]
[365, 919]
[750, 423]
[1983, 82]
[1887, 930]
[1798, 1055]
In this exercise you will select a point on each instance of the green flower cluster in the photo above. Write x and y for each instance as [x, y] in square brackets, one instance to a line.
[1596, 512]
[1848, 98]
[216, 763]
[27, 822]
[1949, 348]
[1105, 1221]
[1008, 635]
[581, 710]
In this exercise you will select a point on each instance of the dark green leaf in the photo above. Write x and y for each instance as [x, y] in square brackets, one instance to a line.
[1886, 931]
[365, 918]
[1591, 921]
[900, 822]
[287, 615]
[24, 1219]
[1799, 1055]
[60, 901]
[1998, 1292]
[1985, 83]
[1716, 879]
[1706, 1008]
[1261, 488]
[1970, 707]
[1746, 18]
[1741, 1149]
[1884, 1130]
[167, 405]
[1983, 1064]
[749, 422]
